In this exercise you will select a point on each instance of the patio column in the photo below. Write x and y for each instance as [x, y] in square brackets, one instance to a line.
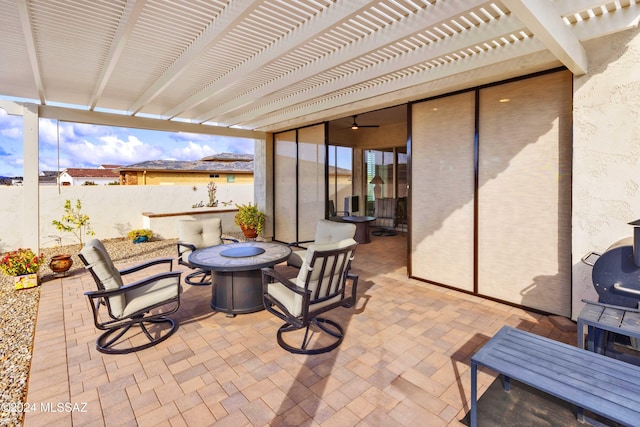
[31, 194]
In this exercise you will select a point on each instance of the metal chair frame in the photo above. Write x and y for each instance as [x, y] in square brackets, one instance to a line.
[115, 328]
[333, 277]
[199, 277]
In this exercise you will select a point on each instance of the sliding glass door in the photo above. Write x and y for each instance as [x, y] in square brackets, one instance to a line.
[299, 180]
[341, 179]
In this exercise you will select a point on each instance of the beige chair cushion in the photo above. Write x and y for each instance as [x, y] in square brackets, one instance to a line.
[333, 231]
[326, 231]
[292, 301]
[99, 260]
[150, 295]
[201, 233]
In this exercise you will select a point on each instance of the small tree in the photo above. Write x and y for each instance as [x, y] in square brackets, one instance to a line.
[74, 221]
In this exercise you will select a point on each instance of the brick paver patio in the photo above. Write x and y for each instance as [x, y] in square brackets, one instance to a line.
[404, 360]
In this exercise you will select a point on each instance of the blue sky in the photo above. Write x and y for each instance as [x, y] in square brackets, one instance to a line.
[89, 146]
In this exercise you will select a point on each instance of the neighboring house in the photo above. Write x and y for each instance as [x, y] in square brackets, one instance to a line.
[82, 176]
[6, 180]
[225, 167]
[48, 178]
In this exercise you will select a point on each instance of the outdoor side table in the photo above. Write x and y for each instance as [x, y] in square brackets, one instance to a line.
[600, 318]
[362, 227]
[235, 272]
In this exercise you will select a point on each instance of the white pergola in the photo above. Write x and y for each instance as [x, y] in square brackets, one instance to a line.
[268, 65]
[245, 67]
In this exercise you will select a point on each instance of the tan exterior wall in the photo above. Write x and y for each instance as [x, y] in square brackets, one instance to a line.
[606, 144]
[170, 178]
[115, 210]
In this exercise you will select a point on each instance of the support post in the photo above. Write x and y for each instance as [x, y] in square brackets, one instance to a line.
[30, 181]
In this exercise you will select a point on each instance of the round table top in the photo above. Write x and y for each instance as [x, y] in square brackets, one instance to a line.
[240, 256]
[353, 218]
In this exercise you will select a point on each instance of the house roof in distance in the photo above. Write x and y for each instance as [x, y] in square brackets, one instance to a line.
[222, 163]
[92, 173]
[228, 157]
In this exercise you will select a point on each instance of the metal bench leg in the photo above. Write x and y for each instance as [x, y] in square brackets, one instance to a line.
[474, 394]
[506, 383]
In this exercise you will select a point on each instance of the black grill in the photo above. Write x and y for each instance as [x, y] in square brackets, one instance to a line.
[616, 272]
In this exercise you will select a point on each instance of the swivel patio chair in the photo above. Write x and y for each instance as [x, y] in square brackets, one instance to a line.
[326, 231]
[197, 234]
[144, 303]
[320, 286]
[333, 213]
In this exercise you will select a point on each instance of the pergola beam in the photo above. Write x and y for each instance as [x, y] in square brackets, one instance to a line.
[412, 24]
[27, 29]
[542, 18]
[216, 30]
[125, 28]
[292, 41]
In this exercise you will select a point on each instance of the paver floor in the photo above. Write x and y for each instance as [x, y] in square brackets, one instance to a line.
[404, 360]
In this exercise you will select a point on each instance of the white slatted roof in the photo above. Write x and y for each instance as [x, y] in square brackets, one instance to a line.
[275, 64]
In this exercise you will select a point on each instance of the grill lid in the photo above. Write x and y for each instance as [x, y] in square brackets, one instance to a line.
[616, 273]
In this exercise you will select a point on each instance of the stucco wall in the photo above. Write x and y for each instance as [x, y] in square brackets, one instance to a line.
[606, 157]
[114, 210]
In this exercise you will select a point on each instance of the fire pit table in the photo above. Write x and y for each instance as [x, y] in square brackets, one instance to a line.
[235, 272]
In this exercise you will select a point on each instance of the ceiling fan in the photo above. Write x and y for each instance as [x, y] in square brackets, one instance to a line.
[355, 125]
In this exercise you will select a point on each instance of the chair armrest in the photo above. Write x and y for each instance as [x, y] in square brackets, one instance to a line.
[271, 273]
[147, 265]
[183, 247]
[135, 285]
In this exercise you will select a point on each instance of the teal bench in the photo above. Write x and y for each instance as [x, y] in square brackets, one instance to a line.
[600, 384]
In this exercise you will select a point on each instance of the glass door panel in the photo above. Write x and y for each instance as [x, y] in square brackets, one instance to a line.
[341, 178]
[311, 194]
[442, 191]
[380, 177]
[285, 165]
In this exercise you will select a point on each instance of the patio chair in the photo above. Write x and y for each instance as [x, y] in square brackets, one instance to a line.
[144, 303]
[326, 231]
[385, 212]
[333, 213]
[197, 234]
[320, 286]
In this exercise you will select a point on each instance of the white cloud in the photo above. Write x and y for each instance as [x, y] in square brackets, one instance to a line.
[48, 132]
[192, 151]
[111, 150]
[10, 126]
[85, 145]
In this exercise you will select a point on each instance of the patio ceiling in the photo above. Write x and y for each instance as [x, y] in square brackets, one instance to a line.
[274, 64]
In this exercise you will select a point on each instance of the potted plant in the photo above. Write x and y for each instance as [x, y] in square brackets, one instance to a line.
[250, 220]
[23, 265]
[140, 235]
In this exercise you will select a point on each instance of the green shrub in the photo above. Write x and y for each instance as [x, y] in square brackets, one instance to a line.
[134, 235]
